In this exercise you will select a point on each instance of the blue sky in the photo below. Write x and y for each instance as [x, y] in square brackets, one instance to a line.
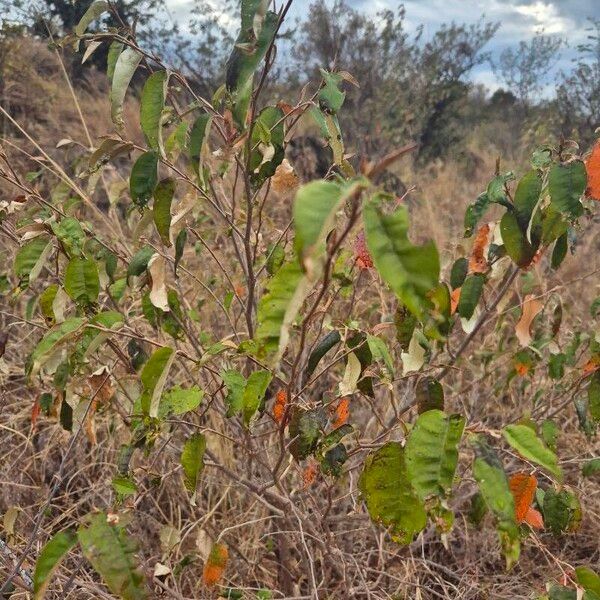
[519, 20]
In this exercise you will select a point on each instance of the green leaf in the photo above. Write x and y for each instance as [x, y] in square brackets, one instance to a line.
[306, 427]
[410, 271]
[429, 395]
[30, 257]
[330, 97]
[236, 383]
[55, 338]
[124, 486]
[278, 308]
[125, 66]
[470, 294]
[591, 467]
[179, 248]
[527, 196]
[139, 262]
[494, 488]
[254, 393]
[70, 233]
[566, 184]
[161, 211]
[515, 240]
[560, 251]
[256, 33]
[49, 559]
[198, 141]
[561, 510]
[114, 51]
[319, 351]
[154, 375]
[143, 179]
[111, 552]
[388, 494]
[432, 452]
[588, 579]
[314, 213]
[526, 442]
[275, 258]
[82, 281]
[178, 401]
[95, 10]
[46, 299]
[560, 592]
[152, 103]
[192, 460]
[474, 213]
[594, 396]
[267, 144]
[458, 273]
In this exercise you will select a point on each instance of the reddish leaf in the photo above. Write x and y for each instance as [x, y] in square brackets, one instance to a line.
[522, 486]
[591, 365]
[35, 413]
[310, 474]
[534, 518]
[592, 165]
[454, 298]
[215, 564]
[477, 261]
[279, 407]
[361, 253]
[342, 412]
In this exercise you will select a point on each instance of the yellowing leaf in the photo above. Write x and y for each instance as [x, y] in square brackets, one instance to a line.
[414, 359]
[351, 375]
[531, 308]
[285, 178]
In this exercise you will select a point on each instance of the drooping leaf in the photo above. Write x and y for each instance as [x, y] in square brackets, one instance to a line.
[154, 375]
[254, 393]
[49, 560]
[348, 384]
[82, 281]
[475, 212]
[278, 308]
[431, 452]
[143, 178]
[515, 240]
[567, 183]
[314, 211]
[380, 352]
[560, 251]
[111, 551]
[161, 210]
[531, 308]
[180, 241]
[152, 104]
[94, 11]
[192, 460]
[527, 196]
[410, 271]
[320, 350]
[256, 34]
[458, 273]
[125, 66]
[470, 293]
[494, 487]
[388, 494]
[158, 291]
[526, 442]
[198, 142]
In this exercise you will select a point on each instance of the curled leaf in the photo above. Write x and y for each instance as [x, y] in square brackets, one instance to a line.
[531, 308]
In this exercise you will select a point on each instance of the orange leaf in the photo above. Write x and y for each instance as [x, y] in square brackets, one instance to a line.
[279, 407]
[310, 474]
[591, 365]
[534, 518]
[454, 298]
[215, 564]
[522, 369]
[477, 261]
[531, 309]
[342, 412]
[35, 413]
[285, 178]
[592, 165]
[522, 487]
[361, 252]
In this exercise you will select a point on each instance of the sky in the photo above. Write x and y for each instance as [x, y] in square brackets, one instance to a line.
[519, 20]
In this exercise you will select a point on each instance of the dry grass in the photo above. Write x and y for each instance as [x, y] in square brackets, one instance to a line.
[289, 538]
